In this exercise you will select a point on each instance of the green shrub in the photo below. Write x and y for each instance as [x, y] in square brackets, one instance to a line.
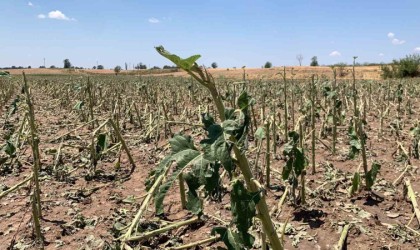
[409, 66]
[388, 71]
[405, 67]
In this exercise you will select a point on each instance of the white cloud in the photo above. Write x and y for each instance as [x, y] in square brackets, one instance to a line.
[417, 49]
[381, 54]
[30, 4]
[396, 41]
[335, 53]
[153, 20]
[56, 14]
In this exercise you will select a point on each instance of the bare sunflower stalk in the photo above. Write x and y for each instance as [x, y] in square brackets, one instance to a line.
[36, 199]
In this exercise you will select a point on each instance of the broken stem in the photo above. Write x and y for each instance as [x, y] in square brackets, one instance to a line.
[163, 229]
[197, 243]
[412, 196]
[343, 237]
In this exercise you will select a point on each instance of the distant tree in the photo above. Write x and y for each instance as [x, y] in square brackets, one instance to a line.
[170, 67]
[126, 66]
[67, 64]
[140, 66]
[268, 65]
[13, 67]
[100, 67]
[42, 67]
[214, 65]
[29, 67]
[117, 69]
[52, 67]
[155, 67]
[94, 67]
[314, 61]
[299, 57]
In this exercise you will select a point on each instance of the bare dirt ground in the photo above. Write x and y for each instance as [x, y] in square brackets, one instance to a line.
[362, 72]
[79, 213]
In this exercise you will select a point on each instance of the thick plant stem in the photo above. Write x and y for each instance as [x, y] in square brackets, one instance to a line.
[257, 157]
[356, 111]
[253, 120]
[166, 118]
[363, 146]
[302, 188]
[157, 135]
[267, 155]
[15, 187]
[22, 125]
[286, 136]
[57, 157]
[313, 122]
[302, 137]
[334, 128]
[197, 243]
[218, 101]
[36, 198]
[274, 132]
[139, 119]
[397, 181]
[343, 237]
[277, 209]
[93, 155]
[89, 90]
[262, 205]
[142, 208]
[36, 219]
[263, 241]
[292, 102]
[123, 144]
[412, 196]
[182, 191]
[34, 144]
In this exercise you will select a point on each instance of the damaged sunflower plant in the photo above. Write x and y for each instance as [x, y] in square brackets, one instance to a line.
[199, 166]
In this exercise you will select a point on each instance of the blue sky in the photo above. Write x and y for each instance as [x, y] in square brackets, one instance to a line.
[231, 33]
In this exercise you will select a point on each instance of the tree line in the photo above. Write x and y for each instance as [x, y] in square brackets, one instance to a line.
[313, 62]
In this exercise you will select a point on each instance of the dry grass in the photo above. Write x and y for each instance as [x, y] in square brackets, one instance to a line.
[301, 72]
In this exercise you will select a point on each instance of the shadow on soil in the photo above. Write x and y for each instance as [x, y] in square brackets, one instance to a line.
[312, 217]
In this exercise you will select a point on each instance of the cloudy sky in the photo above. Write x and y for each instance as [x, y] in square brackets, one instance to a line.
[231, 33]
